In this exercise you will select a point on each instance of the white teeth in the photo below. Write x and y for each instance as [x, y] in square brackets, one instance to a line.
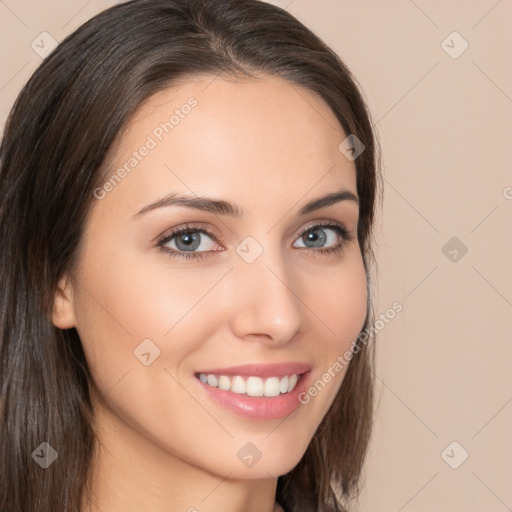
[272, 387]
[291, 382]
[253, 386]
[224, 382]
[283, 385]
[212, 380]
[238, 385]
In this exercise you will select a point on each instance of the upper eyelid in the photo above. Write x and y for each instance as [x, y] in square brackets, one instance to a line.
[170, 234]
[322, 223]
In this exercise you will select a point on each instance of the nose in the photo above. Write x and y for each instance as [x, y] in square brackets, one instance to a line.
[266, 302]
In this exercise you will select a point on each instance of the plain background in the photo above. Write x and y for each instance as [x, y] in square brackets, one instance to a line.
[445, 125]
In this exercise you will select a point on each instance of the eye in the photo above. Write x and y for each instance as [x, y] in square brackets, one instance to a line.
[188, 242]
[198, 242]
[324, 237]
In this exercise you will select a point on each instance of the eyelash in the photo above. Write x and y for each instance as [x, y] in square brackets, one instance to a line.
[339, 228]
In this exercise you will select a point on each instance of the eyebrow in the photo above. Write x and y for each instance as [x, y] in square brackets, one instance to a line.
[221, 207]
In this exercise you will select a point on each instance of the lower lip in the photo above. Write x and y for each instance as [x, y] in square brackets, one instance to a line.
[258, 407]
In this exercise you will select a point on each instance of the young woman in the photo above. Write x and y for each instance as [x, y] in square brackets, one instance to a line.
[187, 195]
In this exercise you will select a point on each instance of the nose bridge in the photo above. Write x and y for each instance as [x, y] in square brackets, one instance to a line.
[265, 300]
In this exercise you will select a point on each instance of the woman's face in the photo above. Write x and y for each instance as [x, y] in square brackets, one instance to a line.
[253, 283]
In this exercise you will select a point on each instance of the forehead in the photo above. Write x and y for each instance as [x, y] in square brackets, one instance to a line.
[252, 115]
[249, 139]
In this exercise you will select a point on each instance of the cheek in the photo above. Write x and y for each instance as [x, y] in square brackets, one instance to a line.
[342, 303]
[149, 298]
[341, 307]
[123, 301]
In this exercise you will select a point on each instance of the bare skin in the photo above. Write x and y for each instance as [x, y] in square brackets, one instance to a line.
[270, 148]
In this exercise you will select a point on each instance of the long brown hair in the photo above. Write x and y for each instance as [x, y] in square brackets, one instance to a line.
[53, 156]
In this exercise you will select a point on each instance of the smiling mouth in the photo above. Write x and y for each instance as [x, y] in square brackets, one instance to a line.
[252, 385]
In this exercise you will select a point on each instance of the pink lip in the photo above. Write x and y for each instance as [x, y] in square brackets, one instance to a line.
[260, 407]
[261, 370]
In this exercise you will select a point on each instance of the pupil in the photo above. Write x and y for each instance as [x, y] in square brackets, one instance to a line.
[188, 241]
[317, 236]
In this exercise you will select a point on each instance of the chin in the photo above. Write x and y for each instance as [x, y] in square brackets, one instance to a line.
[261, 457]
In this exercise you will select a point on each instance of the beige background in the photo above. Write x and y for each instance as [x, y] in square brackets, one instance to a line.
[445, 125]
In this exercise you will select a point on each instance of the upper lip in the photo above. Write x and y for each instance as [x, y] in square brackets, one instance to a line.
[261, 370]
